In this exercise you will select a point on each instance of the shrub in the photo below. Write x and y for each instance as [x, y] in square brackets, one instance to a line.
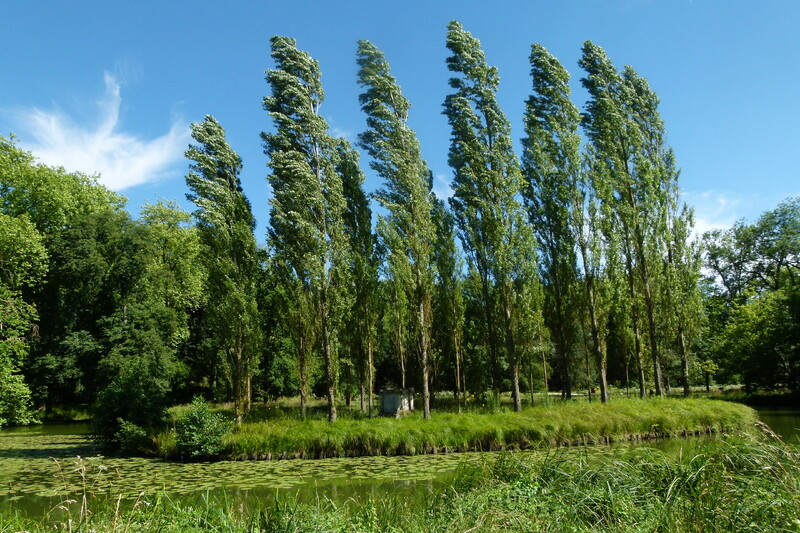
[199, 432]
[132, 396]
[132, 439]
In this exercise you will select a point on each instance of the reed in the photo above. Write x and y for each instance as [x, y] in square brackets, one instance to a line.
[743, 483]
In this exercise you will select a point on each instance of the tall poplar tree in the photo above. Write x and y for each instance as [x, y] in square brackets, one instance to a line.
[551, 163]
[409, 229]
[682, 301]
[449, 297]
[363, 263]
[486, 184]
[625, 128]
[306, 226]
[225, 223]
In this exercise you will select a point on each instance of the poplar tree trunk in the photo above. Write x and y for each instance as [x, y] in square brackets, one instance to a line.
[302, 362]
[371, 374]
[330, 375]
[457, 352]
[687, 391]
[512, 356]
[488, 310]
[426, 400]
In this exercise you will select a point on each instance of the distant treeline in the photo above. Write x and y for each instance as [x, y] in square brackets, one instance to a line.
[570, 266]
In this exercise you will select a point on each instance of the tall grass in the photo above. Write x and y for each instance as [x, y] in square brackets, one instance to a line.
[557, 424]
[741, 484]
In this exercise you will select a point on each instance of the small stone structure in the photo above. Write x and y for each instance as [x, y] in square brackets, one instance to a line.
[396, 402]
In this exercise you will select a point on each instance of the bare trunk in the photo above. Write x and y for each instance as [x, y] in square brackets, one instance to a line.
[327, 352]
[530, 385]
[488, 310]
[636, 332]
[371, 374]
[303, 363]
[638, 355]
[598, 345]
[687, 391]
[457, 351]
[426, 399]
[248, 393]
[544, 368]
[238, 385]
[512, 354]
[400, 343]
[652, 334]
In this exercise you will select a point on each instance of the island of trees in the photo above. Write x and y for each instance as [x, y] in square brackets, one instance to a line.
[571, 266]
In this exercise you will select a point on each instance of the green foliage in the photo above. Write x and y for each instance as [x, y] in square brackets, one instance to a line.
[762, 339]
[15, 399]
[199, 432]
[131, 438]
[16, 322]
[136, 395]
[23, 257]
[225, 225]
[51, 197]
[752, 298]
[408, 231]
[307, 207]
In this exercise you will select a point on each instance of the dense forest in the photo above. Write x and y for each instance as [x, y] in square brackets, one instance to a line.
[570, 266]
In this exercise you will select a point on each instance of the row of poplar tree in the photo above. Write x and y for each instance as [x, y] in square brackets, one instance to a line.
[558, 245]
[575, 258]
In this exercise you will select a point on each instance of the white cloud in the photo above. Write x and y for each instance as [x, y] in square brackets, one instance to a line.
[441, 187]
[121, 159]
[334, 130]
[714, 209]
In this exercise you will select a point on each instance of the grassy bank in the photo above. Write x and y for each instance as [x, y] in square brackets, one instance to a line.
[554, 425]
[734, 484]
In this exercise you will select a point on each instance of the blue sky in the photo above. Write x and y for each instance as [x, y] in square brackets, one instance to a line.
[111, 87]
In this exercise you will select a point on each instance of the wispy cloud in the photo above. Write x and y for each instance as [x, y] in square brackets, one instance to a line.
[340, 133]
[714, 209]
[121, 159]
[441, 187]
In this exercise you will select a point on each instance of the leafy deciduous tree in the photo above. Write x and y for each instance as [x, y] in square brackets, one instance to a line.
[408, 229]
[308, 204]
[225, 223]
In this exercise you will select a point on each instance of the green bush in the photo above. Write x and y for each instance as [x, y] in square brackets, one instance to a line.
[199, 432]
[15, 399]
[132, 396]
[132, 439]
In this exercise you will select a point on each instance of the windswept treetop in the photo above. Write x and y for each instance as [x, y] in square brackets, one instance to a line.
[214, 177]
[295, 101]
[394, 147]
[486, 170]
[307, 203]
[551, 158]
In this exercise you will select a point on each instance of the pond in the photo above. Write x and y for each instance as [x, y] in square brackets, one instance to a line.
[41, 465]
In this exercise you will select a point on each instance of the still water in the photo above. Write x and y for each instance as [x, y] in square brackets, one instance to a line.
[40, 466]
